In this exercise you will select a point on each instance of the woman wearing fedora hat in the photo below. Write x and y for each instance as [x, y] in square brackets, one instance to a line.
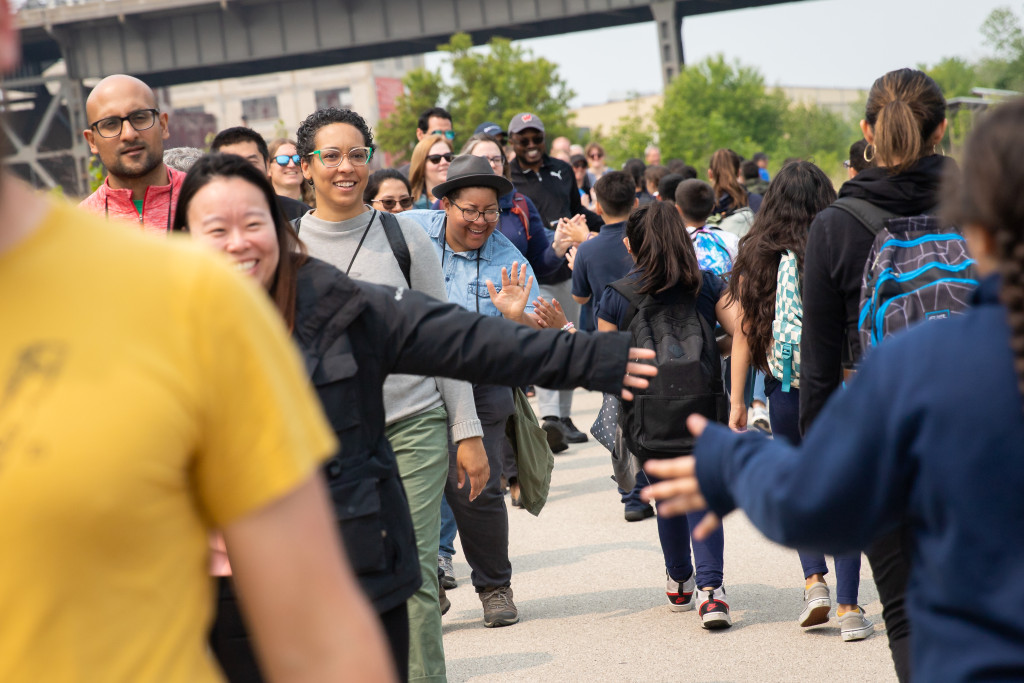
[486, 273]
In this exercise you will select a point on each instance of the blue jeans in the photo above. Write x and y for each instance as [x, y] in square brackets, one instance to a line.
[784, 412]
[674, 533]
[448, 530]
[631, 499]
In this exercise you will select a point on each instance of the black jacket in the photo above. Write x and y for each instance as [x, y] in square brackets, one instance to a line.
[352, 335]
[553, 191]
[837, 248]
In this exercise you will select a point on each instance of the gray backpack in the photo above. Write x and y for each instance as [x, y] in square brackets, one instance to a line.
[917, 270]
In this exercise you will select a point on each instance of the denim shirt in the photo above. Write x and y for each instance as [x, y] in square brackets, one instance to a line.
[460, 268]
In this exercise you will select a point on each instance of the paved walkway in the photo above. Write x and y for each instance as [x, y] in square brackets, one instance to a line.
[590, 592]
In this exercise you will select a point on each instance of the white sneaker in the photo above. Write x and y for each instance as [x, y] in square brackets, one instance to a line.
[681, 595]
[855, 626]
[714, 610]
[757, 417]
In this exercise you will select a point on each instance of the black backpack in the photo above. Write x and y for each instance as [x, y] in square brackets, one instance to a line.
[689, 376]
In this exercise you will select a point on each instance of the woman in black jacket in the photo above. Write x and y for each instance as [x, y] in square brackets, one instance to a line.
[351, 336]
[903, 123]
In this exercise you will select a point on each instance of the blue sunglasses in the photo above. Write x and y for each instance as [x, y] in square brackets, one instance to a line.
[283, 159]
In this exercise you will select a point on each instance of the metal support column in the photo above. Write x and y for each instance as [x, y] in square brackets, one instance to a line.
[669, 19]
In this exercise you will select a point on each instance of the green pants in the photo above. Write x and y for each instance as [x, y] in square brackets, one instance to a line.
[420, 443]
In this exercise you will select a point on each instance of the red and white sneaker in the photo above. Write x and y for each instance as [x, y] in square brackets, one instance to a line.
[714, 610]
[680, 595]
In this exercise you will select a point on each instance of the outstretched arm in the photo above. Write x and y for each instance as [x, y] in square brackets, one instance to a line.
[800, 496]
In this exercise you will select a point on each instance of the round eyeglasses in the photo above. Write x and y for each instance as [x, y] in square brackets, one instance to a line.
[490, 215]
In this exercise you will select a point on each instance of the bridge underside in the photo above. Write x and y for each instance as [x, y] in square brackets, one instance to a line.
[168, 42]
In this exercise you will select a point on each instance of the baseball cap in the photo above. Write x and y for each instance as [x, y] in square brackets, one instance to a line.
[523, 121]
[488, 128]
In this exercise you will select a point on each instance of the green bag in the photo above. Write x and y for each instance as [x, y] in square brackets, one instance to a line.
[534, 458]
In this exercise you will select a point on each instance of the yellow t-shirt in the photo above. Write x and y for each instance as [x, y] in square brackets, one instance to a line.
[147, 395]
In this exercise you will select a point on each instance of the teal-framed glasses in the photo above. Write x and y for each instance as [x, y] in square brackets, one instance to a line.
[332, 158]
[450, 134]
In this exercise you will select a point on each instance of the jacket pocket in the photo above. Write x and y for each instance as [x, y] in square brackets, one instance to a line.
[336, 385]
[479, 289]
[357, 507]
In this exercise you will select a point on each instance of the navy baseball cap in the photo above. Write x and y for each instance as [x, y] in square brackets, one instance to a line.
[489, 128]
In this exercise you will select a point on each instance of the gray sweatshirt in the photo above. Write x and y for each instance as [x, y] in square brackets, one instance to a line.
[404, 395]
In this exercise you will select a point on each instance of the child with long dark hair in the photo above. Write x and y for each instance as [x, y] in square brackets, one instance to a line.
[667, 270]
[796, 195]
[930, 436]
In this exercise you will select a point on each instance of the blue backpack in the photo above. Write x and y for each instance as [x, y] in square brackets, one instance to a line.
[918, 269]
[712, 253]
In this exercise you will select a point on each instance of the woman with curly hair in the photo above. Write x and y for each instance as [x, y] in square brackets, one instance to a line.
[796, 195]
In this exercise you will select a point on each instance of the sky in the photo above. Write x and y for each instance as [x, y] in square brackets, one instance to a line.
[822, 43]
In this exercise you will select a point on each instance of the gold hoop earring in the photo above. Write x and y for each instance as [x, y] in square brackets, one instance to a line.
[872, 157]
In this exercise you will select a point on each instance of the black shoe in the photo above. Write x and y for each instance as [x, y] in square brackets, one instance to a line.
[639, 515]
[443, 600]
[573, 435]
[556, 434]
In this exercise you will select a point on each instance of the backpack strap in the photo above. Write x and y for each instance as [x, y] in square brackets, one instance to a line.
[625, 288]
[393, 231]
[866, 213]
[522, 209]
[399, 247]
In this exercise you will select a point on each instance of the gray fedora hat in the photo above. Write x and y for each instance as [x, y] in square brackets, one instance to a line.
[467, 170]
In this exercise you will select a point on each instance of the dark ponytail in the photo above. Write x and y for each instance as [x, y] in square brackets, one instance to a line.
[904, 109]
[662, 248]
[988, 194]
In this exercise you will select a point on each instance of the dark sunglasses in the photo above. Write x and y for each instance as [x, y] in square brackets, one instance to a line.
[436, 158]
[283, 159]
[531, 139]
[388, 204]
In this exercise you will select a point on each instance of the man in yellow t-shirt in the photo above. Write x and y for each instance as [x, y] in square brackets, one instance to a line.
[148, 395]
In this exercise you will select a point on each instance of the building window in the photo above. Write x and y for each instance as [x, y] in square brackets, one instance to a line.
[260, 108]
[340, 98]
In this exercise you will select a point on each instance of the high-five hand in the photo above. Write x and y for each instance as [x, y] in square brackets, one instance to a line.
[515, 292]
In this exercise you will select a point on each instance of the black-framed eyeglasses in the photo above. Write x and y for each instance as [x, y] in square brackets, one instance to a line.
[283, 159]
[111, 126]
[436, 158]
[495, 161]
[529, 139]
[490, 215]
[332, 158]
[449, 134]
[388, 203]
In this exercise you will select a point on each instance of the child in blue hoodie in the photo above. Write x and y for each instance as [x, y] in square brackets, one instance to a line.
[930, 432]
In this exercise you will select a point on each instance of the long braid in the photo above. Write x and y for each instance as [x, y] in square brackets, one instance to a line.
[987, 195]
[1011, 293]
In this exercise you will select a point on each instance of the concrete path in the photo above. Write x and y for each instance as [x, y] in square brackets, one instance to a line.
[590, 591]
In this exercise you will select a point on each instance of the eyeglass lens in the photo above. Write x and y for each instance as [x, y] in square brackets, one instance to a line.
[283, 159]
[357, 156]
[436, 158]
[389, 203]
[110, 127]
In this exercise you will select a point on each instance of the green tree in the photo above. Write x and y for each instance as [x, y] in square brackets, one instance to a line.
[1004, 33]
[955, 75]
[715, 104]
[490, 84]
[629, 138]
[815, 134]
[397, 133]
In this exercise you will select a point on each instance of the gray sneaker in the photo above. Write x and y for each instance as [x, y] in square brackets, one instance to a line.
[817, 605]
[855, 626]
[446, 572]
[499, 610]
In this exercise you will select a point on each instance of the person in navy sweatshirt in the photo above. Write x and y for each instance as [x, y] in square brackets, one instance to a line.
[931, 431]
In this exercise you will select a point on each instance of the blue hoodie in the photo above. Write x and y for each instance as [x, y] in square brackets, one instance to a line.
[931, 431]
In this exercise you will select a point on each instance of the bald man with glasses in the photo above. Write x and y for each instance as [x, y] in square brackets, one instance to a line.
[127, 131]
